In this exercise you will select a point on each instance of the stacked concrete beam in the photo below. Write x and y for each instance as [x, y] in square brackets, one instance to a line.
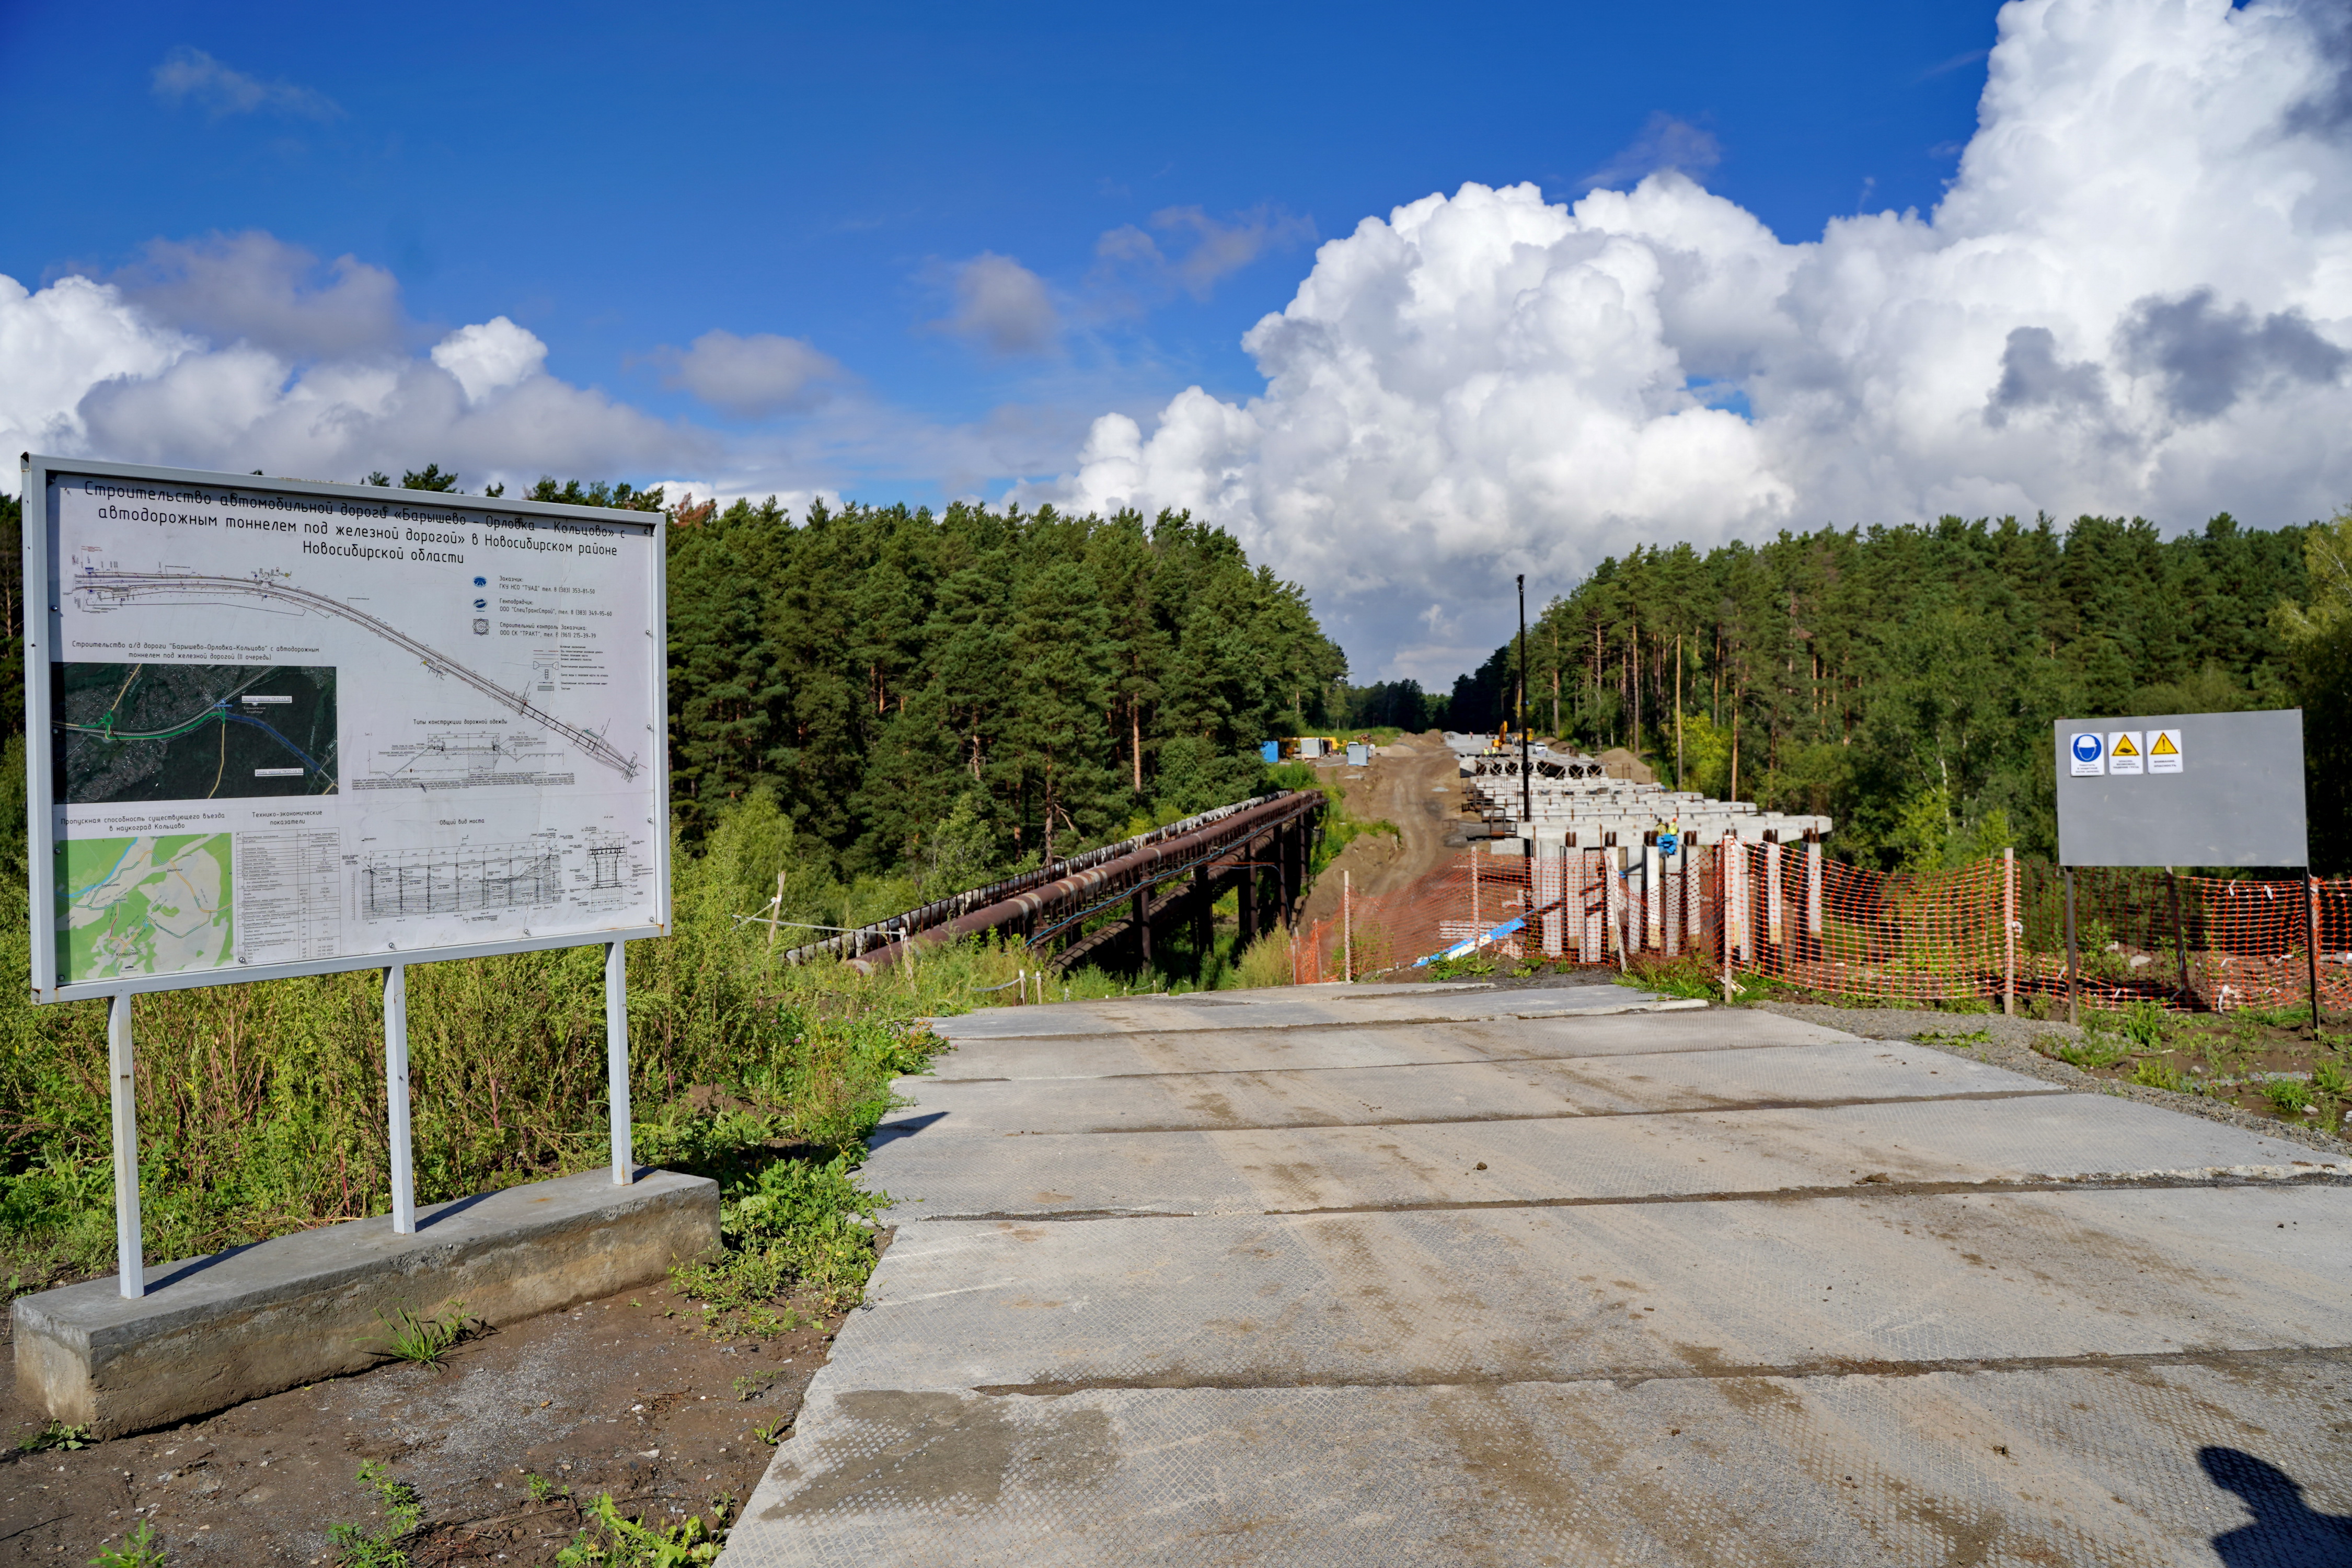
[1592, 811]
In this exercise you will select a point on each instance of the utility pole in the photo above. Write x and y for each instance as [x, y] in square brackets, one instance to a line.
[1526, 785]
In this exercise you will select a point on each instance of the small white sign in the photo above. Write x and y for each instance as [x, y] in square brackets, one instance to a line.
[2127, 753]
[278, 772]
[2088, 752]
[2164, 751]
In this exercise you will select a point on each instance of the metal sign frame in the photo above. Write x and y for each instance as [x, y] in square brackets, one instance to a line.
[41, 630]
[42, 634]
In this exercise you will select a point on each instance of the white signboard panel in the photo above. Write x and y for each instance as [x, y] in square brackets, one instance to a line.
[282, 728]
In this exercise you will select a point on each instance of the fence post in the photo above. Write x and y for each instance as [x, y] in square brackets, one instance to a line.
[2008, 933]
[1775, 928]
[1693, 858]
[1727, 890]
[2074, 959]
[1813, 896]
[2311, 941]
[1653, 895]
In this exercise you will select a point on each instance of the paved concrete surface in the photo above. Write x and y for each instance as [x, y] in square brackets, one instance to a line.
[214, 1331]
[1333, 1276]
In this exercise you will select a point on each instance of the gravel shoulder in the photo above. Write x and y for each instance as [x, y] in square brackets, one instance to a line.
[2011, 1043]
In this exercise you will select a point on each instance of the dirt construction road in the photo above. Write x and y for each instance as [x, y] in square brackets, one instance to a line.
[1412, 783]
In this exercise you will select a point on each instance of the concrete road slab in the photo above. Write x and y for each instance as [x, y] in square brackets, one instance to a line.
[1674, 1319]
[2062, 1137]
[1547, 1294]
[1291, 1006]
[2092, 1466]
[1830, 1073]
[1384, 1043]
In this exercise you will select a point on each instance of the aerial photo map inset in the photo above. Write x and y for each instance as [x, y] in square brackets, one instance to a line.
[156, 904]
[192, 732]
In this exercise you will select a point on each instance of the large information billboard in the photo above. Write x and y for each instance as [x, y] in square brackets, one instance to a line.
[2182, 789]
[280, 728]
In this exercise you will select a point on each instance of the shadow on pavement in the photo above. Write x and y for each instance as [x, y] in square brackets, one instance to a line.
[2286, 1532]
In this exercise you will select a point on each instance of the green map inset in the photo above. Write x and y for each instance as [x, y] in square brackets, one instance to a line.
[151, 905]
[192, 732]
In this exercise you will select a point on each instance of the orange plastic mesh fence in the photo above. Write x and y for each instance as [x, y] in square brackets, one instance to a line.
[1980, 933]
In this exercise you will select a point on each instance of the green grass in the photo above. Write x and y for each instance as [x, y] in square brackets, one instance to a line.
[2097, 1050]
[140, 1548]
[421, 1341]
[261, 1105]
[613, 1540]
[2288, 1095]
[404, 1512]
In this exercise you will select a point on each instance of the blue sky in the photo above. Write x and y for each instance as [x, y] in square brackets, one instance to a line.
[619, 178]
[1554, 282]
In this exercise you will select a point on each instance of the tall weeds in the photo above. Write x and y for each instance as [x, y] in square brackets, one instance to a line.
[261, 1107]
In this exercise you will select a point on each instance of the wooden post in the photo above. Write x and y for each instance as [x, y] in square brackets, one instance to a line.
[2008, 933]
[1347, 928]
[776, 912]
[2074, 959]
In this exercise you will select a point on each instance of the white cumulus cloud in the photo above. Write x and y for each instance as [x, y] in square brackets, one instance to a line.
[1002, 306]
[762, 374]
[189, 75]
[91, 368]
[2136, 296]
[490, 357]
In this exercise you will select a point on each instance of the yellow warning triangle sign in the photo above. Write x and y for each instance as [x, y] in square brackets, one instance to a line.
[2164, 746]
[2124, 748]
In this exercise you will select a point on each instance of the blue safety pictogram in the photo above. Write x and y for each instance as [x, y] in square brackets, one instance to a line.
[2087, 748]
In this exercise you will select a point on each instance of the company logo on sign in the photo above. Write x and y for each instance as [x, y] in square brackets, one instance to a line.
[2089, 754]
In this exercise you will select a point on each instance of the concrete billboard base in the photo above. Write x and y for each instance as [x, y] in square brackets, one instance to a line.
[215, 1332]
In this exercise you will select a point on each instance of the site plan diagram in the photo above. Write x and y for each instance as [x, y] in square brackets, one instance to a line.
[287, 727]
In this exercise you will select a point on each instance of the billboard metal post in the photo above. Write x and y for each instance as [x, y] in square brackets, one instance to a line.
[396, 1096]
[130, 1265]
[2074, 959]
[616, 1055]
[2311, 941]
[2179, 935]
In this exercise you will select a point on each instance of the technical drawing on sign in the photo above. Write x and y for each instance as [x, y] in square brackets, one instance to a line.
[474, 756]
[97, 589]
[460, 879]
